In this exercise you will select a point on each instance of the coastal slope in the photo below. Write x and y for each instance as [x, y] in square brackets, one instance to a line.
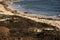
[20, 24]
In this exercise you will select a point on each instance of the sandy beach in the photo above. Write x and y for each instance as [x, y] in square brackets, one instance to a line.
[18, 25]
[8, 10]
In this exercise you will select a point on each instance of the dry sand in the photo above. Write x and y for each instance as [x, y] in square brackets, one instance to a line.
[22, 14]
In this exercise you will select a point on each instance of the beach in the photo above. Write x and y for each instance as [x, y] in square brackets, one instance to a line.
[18, 25]
[29, 16]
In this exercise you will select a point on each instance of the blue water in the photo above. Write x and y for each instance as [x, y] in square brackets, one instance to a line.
[39, 6]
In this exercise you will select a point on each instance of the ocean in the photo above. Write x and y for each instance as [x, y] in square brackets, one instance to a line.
[46, 7]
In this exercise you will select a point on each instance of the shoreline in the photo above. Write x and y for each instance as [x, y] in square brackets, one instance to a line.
[51, 21]
[45, 16]
[11, 11]
[18, 25]
[43, 20]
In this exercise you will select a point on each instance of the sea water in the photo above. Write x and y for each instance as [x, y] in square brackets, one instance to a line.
[46, 7]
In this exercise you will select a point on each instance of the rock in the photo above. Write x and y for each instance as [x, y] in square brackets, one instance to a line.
[4, 30]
